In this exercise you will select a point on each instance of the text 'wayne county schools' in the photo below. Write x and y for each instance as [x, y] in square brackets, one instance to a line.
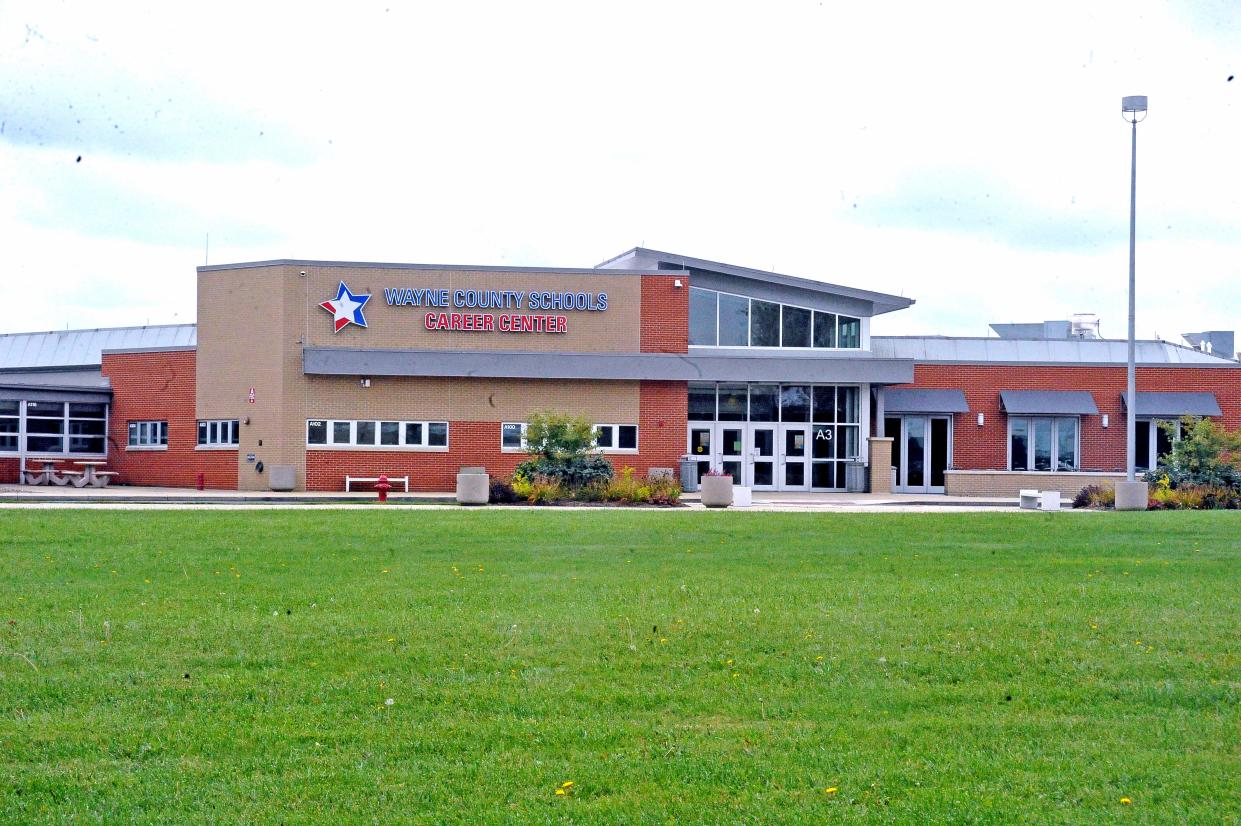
[496, 299]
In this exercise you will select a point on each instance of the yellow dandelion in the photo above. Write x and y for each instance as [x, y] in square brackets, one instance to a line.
[663, 640]
[1125, 801]
[561, 792]
[819, 658]
[830, 790]
[567, 784]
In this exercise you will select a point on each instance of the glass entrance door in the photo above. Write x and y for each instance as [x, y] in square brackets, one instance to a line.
[762, 457]
[700, 443]
[923, 453]
[794, 456]
[732, 451]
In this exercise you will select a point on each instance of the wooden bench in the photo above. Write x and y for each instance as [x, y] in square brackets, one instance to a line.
[392, 480]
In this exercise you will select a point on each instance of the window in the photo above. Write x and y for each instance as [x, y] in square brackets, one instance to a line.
[218, 432]
[10, 424]
[513, 436]
[734, 321]
[148, 434]
[702, 316]
[728, 320]
[366, 433]
[57, 427]
[764, 324]
[702, 402]
[616, 437]
[1042, 443]
[1154, 438]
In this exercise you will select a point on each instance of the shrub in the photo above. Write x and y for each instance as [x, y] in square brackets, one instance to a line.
[572, 472]
[561, 448]
[1194, 497]
[1095, 496]
[1205, 455]
[501, 493]
[665, 492]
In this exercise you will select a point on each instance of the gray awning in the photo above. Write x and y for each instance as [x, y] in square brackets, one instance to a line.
[616, 366]
[1048, 402]
[920, 400]
[1173, 405]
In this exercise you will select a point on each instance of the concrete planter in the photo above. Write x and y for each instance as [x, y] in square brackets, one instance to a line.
[473, 488]
[717, 491]
[1132, 496]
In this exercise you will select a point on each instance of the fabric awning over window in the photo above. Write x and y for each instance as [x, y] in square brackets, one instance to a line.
[919, 400]
[1048, 402]
[1174, 405]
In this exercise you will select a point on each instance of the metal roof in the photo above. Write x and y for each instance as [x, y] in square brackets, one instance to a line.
[923, 400]
[1048, 402]
[882, 302]
[953, 350]
[82, 348]
[1174, 404]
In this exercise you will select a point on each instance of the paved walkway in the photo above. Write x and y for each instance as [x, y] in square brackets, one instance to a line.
[127, 497]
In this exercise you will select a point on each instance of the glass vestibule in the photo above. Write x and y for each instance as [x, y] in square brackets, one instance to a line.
[774, 436]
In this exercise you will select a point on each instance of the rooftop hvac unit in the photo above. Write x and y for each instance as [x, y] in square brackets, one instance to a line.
[1084, 325]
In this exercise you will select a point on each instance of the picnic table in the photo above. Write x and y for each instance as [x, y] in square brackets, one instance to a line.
[46, 476]
[90, 474]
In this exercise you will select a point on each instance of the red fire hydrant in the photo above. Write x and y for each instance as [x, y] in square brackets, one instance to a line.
[383, 487]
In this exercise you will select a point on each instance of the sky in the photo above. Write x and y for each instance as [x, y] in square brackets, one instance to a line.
[971, 156]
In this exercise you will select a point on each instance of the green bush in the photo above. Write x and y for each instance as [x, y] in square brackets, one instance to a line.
[1205, 455]
[1194, 497]
[561, 448]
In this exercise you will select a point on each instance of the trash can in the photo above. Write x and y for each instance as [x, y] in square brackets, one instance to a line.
[855, 477]
[689, 474]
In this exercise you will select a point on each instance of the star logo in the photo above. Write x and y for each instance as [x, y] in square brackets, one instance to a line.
[346, 308]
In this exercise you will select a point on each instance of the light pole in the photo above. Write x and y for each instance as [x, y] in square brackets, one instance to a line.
[1132, 494]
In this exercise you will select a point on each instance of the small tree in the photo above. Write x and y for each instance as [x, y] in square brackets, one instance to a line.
[562, 449]
[559, 435]
[1206, 454]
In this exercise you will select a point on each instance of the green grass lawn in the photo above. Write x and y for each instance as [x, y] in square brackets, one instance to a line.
[441, 666]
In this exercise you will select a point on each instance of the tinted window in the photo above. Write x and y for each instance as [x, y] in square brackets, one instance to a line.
[764, 402]
[734, 321]
[316, 432]
[794, 403]
[437, 434]
[701, 316]
[702, 402]
[794, 327]
[764, 324]
[824, 329]
[627, 438]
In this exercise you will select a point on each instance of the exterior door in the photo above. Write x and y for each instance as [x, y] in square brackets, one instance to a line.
[923, 453]
[762, 457]
[731, 439]
[700, 446]
[794, 457]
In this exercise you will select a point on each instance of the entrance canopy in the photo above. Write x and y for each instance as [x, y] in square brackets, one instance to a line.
[1174, 405]
[1048, 402]
[918, 400]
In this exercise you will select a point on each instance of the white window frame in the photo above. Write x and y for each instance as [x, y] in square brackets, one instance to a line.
[614, 429]
[222, 434]
[151, 434]
[1055, 443]
[66, 437]
[508, 448]
[780, 323]
[17, 433]
[402, 444]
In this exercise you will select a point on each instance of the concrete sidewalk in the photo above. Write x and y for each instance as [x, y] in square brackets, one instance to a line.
[128, 497]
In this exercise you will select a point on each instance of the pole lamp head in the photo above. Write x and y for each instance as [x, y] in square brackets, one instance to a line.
[1133, 108]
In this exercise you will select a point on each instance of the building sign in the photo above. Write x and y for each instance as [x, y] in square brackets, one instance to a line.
[444, 308]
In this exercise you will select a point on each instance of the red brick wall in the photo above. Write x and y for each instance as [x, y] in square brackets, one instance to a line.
[986, 447]
[665, 314]
[160, 386]
[8, 470]
[661, 440]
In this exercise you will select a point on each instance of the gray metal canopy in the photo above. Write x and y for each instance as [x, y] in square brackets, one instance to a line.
[1173, 405]
[920, 400]
[1048, 402]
